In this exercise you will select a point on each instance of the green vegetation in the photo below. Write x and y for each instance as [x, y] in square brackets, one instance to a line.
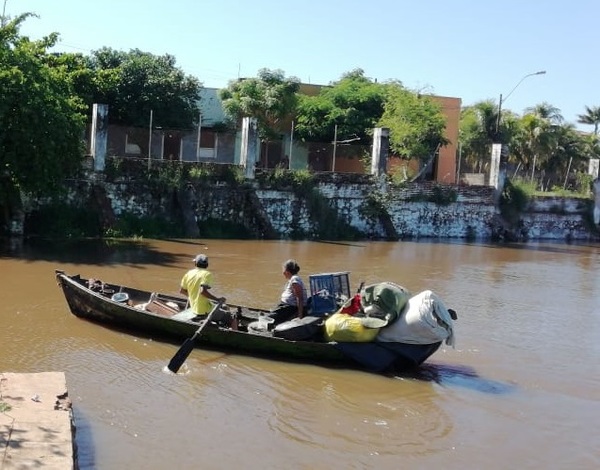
[416, 123]
[133, 226]
[327, 222]
[46, 98]
[541, 147]
[58, 219]
[270, 98]
[41, 120]
[4, 407]
[513, 201]
[591, 117]
[440, 195]
[330, 226]
[354, 104]
[63, 220]
[374, 205]
[132, 84]
[301, 181]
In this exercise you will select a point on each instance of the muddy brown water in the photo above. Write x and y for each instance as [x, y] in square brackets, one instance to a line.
[521, 389]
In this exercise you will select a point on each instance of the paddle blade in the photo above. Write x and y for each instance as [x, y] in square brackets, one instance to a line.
[180, 356]
[186, 348]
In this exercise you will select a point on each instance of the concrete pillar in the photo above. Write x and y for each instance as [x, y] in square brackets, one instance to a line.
[250, 146]
[99, 135]
[381, 150]
[594, 167]
[495, 166]
[596, 190]
[593, 170]
[498, 169]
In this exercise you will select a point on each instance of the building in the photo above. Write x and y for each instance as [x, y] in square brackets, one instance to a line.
[213, 142]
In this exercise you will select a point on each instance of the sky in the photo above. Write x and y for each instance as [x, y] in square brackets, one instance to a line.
[470, 49]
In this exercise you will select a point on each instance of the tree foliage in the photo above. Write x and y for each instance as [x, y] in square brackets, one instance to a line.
[474, 139]
[415, 121]
[546, 111]
[41, 120]
[591, 117]
[270, 98]
[354, 103]
[542, 147]
[134, 83]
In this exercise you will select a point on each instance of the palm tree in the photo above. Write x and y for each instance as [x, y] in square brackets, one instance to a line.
[534, 141]
[477, 132]
[546, 111]
[591, 117]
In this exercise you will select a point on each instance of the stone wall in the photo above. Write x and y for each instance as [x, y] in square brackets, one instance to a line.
[364, 203]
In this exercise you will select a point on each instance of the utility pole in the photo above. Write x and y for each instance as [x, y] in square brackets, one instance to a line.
[334, 148]
[150, 142]
[3, 20]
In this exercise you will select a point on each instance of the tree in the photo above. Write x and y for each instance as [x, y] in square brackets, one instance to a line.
[134, 83]
[534, 142]
[547, 112]
[354, 104]
[270, 98]
[566, 154]
[41, 120]
[591, 117]
[477, 131]
[415, 121]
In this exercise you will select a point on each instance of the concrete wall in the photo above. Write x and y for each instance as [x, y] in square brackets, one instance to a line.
[407, 212]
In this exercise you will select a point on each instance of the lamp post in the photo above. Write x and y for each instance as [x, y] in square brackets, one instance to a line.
[499, 154]
[541, 72]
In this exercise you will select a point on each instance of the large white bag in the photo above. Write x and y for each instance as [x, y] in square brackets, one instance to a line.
[425, 320]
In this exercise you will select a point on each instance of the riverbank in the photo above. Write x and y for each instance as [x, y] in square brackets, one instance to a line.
[300, 206]
[36, 421]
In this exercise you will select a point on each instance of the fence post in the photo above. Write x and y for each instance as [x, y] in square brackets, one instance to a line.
[99, 135]
[381, 150]
[250, 146]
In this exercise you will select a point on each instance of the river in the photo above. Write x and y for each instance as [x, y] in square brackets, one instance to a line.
[520, 390]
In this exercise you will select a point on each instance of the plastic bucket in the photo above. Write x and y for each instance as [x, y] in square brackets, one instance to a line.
[120, 297]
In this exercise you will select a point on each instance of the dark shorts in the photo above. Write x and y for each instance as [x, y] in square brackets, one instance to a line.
[283, 312]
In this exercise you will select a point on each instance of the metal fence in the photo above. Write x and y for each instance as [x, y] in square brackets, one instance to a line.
[207, 145]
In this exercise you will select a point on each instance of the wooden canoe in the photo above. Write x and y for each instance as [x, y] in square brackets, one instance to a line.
[152, 313]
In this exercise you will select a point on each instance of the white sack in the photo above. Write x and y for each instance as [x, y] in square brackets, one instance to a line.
[425, 320]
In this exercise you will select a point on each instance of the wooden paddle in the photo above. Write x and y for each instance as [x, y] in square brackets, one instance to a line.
[186, 348]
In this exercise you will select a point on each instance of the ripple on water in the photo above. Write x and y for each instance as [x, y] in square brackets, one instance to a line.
[364, 417]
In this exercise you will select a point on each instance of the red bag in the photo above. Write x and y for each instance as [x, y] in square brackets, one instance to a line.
[352, 305]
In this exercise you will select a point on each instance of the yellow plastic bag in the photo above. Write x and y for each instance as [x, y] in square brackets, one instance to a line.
[348, 329]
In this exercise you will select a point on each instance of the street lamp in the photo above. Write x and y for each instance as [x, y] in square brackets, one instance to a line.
[541, 72]
[498, 164]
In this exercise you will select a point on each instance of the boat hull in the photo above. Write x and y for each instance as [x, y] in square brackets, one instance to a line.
[97, 306]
